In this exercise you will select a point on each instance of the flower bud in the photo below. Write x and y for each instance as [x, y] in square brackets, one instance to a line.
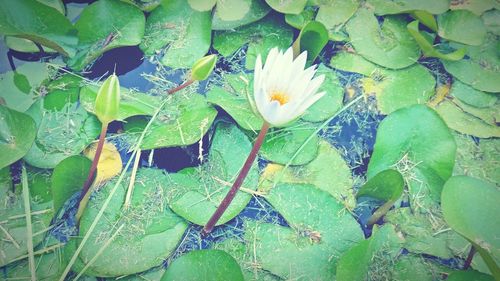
[203, 67]
[107, 101]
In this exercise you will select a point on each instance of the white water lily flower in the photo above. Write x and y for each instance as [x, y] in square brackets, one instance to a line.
[283, 89]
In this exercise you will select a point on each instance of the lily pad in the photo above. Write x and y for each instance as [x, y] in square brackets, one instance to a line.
[105, 25]
[24, 45]
[470, 275]
[389, 45]
[131, 103]
[280, 145]
[40, 23]
[470, 208]
[183, 121]
[394, 89]
[320, 232]
[300, 20]
[257, 10]
[148, 231]
[416, 142]
[145, 5]
[475, 6]
[425, 234]
[256, 35]
[417, 268]
[312, 38]
[68, 178]
[17, 133]
[491, 20]
[471, 96]
[195, 196]
[334, 15]
[355, 263]
[12, 214]
[383, 7]
[462, 26]
[48, 266]
[480, 69]
[211, 265]
[317, 172]
[62, 91]
[182, 32]
[287, 7]
[60, 134]
[462, 122]
[20, 87]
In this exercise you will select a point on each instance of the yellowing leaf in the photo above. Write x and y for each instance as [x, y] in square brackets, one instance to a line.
[441, 92]
[110, 162]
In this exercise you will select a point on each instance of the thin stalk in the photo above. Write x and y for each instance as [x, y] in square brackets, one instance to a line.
[131, 184]
[29, 230]
[470, 256]
[180, 87]
[238, 182]
[93, 168]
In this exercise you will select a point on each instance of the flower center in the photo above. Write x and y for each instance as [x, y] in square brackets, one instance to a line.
[280, 97]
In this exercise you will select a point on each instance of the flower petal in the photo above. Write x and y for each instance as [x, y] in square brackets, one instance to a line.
[257, 73]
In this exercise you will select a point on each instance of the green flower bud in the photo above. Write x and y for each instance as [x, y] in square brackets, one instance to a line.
[107, 101]
[203, 67]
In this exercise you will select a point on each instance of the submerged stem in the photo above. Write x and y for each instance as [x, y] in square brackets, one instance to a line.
[238, 182]
[468, 261]
[93, 168]
[180, 87]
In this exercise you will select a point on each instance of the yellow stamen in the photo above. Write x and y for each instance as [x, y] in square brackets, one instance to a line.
[280, 97]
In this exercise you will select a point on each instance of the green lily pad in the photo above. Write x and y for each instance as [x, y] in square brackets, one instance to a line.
[470, 275]
[232, 10]
[42, 24]
[25, 45]
[19, 88]
[64, 90]
[211, 265]
[17, 133]
[257, 10]
[426, 19]
[475, 6]
[280, 145]
[202, 6]
[195, 196]
[470, 208]
[480, 69]
[145, 5]
[316, 172]
[149, 231]
[300, 20]
[331, 102]
[462, 26]
[257, 37]
[48, 267]
[387, 186]
[471, 96]
[334, 15]
[312, 38]
[152, 274]
[460, 121]
[416, 268]
[355, 263]
[427, 47]
[131, 103]
[320, 232]
[394, 89]
[182, 32]
[425, 234]
[477, 160]
[12, 213]
[389, 45]
[183, 121]
[60, 134]
[287, 7]
[491, 20]
[105, 25]
[416, 142]
[68, 178]
[383, 7]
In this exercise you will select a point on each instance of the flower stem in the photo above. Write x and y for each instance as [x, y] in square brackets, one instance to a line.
[468, 261]
[93, 168]
[180, 87]
[238, 182]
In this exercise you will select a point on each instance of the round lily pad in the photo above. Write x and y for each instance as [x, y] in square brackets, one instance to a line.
[475, 6]
[480, 69]
[148, 231]
[282, 144]
[105, 25]
[195, 196]
[60, 134]
[472, 96]
[48, 267]
[491, 20]
[320, 232]
[287, 7]
[211, 265]
[415, 137]
[62, 91]
[17, 133]
[383, 7]
[389, 45]
[462, 26]
[334, 15]
[232, 10]
[258, 9]
[317, 172]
